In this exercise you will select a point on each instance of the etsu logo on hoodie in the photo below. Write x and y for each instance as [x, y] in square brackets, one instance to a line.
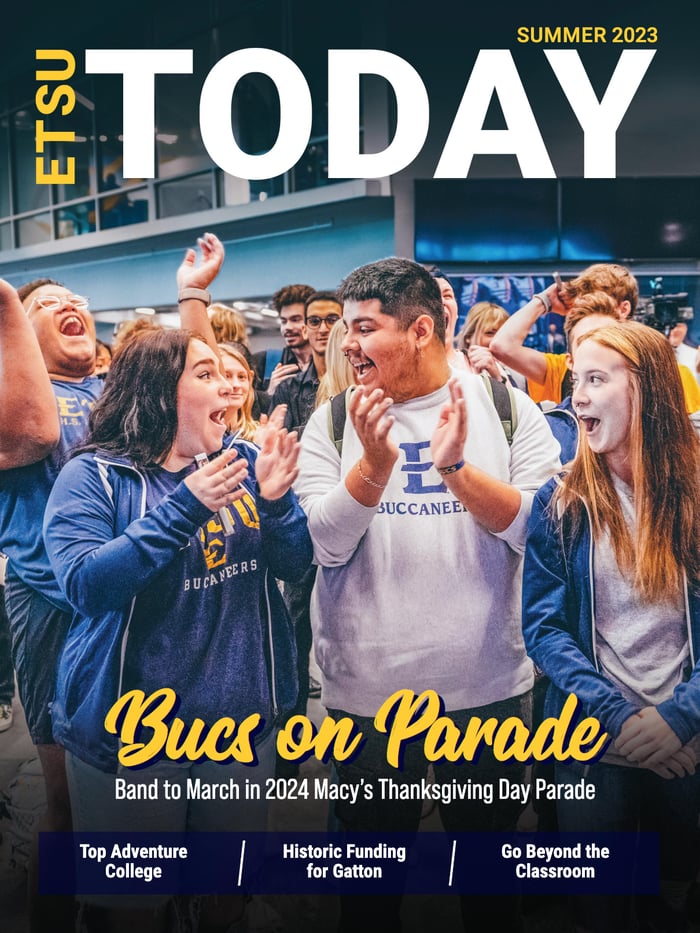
[242, 513]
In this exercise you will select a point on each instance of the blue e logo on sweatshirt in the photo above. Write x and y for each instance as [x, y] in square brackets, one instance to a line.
[415, 467]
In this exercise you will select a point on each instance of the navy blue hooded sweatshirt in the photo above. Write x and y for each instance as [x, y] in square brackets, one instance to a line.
[162, 598]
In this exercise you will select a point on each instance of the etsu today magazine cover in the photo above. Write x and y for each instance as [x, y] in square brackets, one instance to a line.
[349, 460]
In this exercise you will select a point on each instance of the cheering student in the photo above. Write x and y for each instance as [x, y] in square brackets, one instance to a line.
[612, 607]
[47, 349]
[426, 488]
[164, 598]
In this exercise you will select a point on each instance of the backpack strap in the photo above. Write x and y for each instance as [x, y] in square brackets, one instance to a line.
[501, 394]
[337, 416]
[272, 358]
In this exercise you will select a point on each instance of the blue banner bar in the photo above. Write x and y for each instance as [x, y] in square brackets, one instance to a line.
[334, 863]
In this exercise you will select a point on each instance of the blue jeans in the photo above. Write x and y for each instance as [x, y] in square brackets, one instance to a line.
[39, 632]
[7, 671]
[634, 800]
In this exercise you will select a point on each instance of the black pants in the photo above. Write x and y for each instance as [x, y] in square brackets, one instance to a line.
[7, 671]
[381, 913]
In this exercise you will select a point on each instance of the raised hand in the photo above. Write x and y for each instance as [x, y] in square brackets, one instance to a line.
[368, 413]
[482, 359]
[211, 258]
[29, 427]
[218, 483]
[561, 299]
[450, 435]
[280, 374]
[277, 465]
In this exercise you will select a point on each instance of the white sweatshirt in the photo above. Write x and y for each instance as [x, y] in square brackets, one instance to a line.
[414, 593]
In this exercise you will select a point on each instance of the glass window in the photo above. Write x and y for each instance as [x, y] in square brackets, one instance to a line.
[5, 236]
[255, 111]
[309, 49]
[179, 146]
[312, 168]
[234, 190]
[82, 150]
[33, 230]
[186, 195]
[109, 125]
[28, 195]
[5, 208]
[124, 207]
[75, 220]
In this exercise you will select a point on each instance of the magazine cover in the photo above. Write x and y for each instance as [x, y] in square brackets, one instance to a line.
[348, 468]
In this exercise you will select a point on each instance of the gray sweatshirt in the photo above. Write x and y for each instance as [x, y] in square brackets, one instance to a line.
[414, 593]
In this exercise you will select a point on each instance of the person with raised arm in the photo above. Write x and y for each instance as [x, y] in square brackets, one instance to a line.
[29, 423]
[61, 359]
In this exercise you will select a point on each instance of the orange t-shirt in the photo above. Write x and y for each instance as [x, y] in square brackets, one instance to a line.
[550, 389]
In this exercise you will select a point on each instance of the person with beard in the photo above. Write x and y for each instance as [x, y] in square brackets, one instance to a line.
[274, 366]
[426, 488]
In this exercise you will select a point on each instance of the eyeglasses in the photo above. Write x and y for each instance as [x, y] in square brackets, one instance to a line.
[314, 322]
[54, 302]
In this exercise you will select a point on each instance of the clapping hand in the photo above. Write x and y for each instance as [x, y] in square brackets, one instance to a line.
[218, 483]
[368, 413]
[450, 435]
[277, 465]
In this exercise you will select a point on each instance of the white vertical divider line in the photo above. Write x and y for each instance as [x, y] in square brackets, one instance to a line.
[240, 864]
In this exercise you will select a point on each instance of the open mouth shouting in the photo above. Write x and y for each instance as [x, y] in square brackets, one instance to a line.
[218, 417]
[72, 326]
[588, 424]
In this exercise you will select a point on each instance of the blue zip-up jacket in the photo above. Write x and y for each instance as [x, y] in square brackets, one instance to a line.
[559, 627]
[563, 424]
[221, 639]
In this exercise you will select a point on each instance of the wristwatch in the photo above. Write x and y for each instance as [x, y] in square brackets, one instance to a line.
[544, 298]
[199, 294]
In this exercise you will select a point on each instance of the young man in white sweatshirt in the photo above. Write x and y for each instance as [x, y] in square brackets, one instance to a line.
[418, 528]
